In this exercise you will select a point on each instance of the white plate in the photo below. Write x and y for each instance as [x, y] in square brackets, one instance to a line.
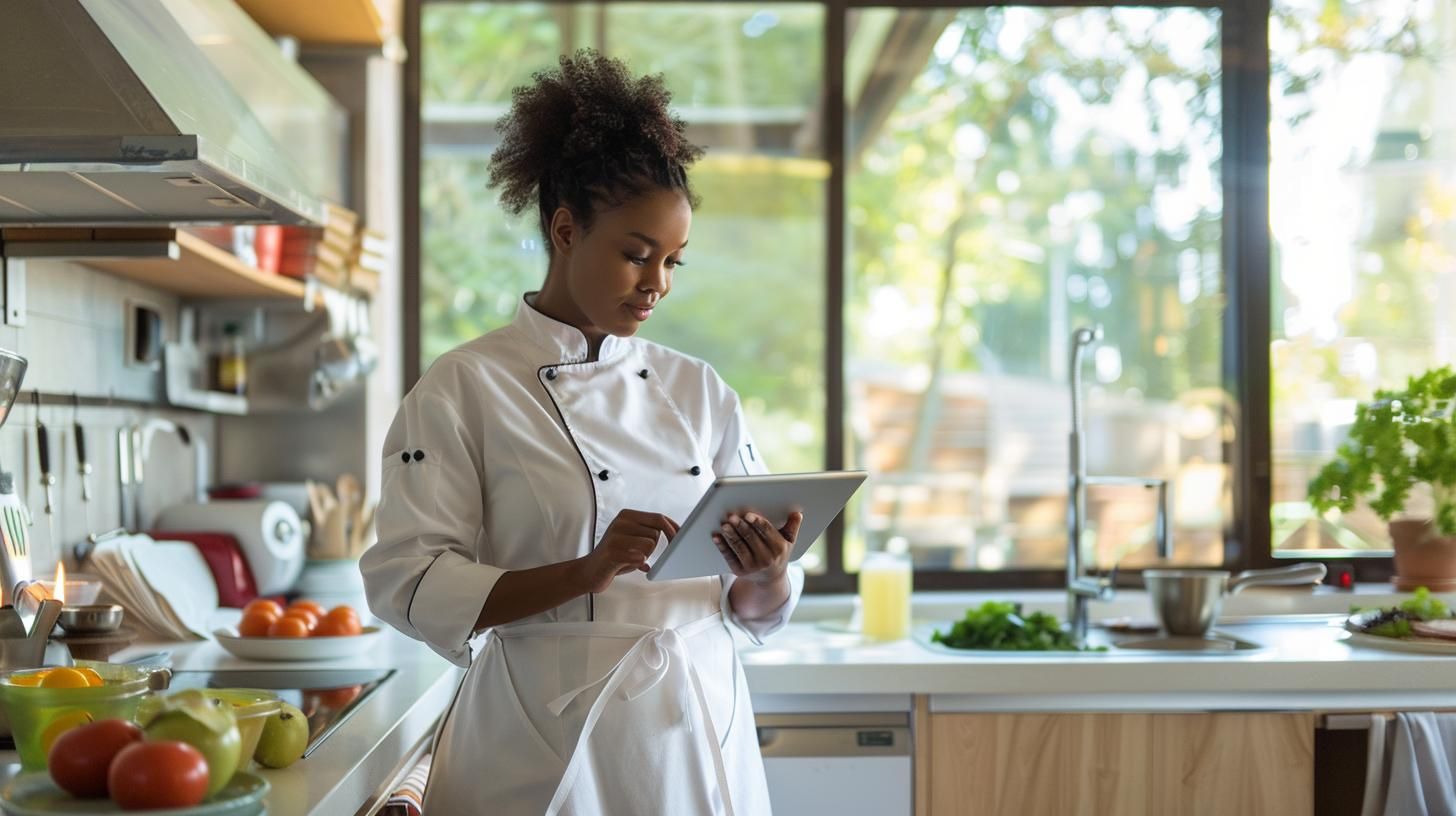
[1406, 644]
[309, 648]
[34, 794]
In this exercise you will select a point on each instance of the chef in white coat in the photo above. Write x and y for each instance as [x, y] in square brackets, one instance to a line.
[532, 474]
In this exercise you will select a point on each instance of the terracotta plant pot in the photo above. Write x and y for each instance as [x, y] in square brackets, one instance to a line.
[1420, 554]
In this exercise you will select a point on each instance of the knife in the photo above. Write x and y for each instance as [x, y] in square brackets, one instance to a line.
[47, 479]
[83, 465]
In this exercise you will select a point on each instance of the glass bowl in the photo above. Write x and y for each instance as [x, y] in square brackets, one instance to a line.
[37, 715]
[251, 707]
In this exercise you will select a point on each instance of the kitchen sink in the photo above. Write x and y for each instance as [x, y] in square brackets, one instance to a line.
[1215, 643]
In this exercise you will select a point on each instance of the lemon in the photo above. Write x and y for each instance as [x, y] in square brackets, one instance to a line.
[92, 676]
[32, 679]
[61, 725]
[65, 678]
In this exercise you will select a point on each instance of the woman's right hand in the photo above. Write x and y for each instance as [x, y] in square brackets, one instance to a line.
[629, 540]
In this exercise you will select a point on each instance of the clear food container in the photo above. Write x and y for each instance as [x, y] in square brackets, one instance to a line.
[251, 707]
[37, 715]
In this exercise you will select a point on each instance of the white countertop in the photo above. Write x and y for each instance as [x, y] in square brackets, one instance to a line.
[1305, 665]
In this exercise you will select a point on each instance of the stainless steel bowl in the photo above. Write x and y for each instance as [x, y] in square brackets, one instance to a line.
[91, 620]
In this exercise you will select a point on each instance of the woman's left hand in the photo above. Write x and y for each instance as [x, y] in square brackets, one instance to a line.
[754, 550]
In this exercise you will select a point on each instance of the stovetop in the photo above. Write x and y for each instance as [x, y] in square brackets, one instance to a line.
[326, 696]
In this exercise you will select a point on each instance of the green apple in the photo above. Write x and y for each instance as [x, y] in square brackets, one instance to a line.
[190, 717]
[285, 735]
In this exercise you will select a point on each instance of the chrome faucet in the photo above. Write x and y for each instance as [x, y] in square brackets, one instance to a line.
[1082, 588]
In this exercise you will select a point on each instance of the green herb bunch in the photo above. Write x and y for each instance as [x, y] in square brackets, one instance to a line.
[1400, 439]
[1000, 625]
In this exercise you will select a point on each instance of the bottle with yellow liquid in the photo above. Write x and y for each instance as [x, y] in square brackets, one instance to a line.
[884, 596]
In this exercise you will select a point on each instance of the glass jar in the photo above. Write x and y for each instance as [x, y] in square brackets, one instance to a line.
[885, 581]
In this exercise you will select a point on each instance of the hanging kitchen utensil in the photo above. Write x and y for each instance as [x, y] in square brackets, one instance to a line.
[14, 540]
[47, 478]
[83, 465]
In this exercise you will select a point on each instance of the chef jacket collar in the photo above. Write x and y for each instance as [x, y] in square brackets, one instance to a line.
[563, 343]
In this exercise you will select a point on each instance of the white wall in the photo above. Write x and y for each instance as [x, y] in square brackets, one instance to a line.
[73, 340]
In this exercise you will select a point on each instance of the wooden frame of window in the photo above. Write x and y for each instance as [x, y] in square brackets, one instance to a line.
[1246, 245]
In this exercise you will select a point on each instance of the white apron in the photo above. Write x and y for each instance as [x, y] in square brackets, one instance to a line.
[632, 701]
[654, 730]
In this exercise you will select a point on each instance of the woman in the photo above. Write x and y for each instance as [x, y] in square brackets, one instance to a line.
[531, 475]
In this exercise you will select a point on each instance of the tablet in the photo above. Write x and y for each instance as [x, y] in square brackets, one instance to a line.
[819, 496]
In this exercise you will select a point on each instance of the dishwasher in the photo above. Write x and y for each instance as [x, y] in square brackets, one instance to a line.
[839, 764]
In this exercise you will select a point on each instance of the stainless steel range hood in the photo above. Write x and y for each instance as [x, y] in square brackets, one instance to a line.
[122, 112]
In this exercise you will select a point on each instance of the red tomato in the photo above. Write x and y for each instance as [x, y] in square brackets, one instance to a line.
[80, 757]
[163, 774]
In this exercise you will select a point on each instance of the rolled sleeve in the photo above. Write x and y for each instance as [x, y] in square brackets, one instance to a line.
[758, 629]
[425, 575]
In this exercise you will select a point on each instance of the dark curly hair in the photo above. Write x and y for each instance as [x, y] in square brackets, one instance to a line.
[588, 134]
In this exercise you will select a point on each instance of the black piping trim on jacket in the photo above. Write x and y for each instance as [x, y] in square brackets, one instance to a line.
[411, 605]
[591, 604]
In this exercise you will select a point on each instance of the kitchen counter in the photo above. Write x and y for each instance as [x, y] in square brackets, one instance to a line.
[815, 665]
[1304, 665]
[354, 764]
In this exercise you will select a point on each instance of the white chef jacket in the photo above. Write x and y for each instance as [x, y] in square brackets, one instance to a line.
[515, 451]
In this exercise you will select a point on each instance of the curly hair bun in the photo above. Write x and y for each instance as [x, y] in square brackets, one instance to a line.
[586, 133]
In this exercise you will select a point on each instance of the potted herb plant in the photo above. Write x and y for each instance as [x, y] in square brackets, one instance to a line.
[1402, 441]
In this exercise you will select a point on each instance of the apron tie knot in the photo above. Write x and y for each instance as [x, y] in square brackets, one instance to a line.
[638, 671]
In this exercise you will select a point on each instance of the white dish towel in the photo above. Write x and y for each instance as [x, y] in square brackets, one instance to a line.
[1421, 755]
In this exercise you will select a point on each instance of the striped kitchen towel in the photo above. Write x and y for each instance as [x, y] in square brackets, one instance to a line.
[409, 799]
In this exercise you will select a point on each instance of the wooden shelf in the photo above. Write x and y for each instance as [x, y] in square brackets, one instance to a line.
[202, 271]
[330, 22]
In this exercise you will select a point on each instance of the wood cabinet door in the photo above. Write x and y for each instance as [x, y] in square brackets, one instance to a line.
[1242, 764]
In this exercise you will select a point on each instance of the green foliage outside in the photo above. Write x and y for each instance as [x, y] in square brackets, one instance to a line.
[1008, 177]
[1041, 168]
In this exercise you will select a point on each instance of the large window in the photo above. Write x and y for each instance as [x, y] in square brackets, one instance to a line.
[1016, 173]
[1362, 170]
[938, 197]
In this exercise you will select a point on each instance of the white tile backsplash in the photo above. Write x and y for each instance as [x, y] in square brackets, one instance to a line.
[74, 340]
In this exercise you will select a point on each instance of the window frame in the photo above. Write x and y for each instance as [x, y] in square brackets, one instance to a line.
[1245, 254]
